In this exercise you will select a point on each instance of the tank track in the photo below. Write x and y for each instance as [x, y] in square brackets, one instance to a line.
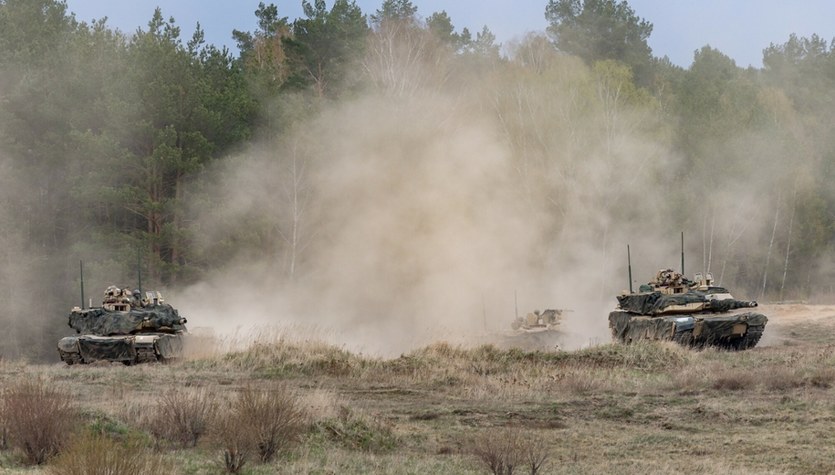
[751, 338]
[71, 358]
[146, 355]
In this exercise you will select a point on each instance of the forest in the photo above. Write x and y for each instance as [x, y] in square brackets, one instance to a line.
[384, 172]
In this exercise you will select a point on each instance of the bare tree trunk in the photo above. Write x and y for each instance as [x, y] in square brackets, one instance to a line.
[704, 239]
[296, 195]
[710, 243]
[603, 276]
[788, 242]
[732, 239]
[770, 246]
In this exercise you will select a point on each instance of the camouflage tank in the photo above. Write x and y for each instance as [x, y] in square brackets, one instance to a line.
[693, 313]
[126, 328]
[538, 321]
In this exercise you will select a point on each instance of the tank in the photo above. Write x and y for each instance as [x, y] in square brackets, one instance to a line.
[537, 321]
[691, 312]
[127, 328]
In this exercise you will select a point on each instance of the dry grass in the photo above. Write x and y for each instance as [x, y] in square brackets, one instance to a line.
[644, 408]
[355, 431]
[94, 454]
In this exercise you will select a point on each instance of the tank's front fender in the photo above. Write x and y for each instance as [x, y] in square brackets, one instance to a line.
[69, 344]
[145, 340]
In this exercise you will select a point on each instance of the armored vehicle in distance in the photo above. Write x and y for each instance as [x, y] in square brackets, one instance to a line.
[693, 313]
[126, 328]
[538, 321]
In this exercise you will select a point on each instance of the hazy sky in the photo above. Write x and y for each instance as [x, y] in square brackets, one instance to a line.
[739, 28]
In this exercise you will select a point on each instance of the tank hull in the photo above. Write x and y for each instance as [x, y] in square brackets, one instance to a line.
[127, 349]
[731, 330]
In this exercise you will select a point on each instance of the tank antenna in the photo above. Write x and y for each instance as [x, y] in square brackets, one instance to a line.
[81, 270]
[516, 303]
[682, 253]
[139, 270]
[629, 261]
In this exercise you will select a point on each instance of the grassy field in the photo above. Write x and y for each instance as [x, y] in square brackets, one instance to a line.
[644, 408]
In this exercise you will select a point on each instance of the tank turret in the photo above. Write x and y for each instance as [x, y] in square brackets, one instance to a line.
[538, 321]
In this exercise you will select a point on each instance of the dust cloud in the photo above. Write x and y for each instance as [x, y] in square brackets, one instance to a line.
[400, 221]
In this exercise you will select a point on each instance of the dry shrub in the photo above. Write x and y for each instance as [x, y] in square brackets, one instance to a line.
[502, 453]
[264, 422]
[94, 454]
[282, 358]
[643, 355]
[780, 379]
[822, 377]
[734, 380]
[37, 418]
[580, 382]
[535, 454]
[499, 453]
[182, 417]
[356, 431]
[274, 417]
[689, 379]
[234, 438]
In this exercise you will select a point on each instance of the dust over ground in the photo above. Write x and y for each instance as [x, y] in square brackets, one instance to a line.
[793, 324]
[413, 230]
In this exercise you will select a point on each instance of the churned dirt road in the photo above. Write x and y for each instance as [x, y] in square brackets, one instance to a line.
[797, 323]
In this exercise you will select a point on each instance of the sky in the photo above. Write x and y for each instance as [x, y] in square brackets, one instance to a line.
[740, 29]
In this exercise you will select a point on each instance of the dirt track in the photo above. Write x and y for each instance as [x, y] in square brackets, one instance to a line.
[794, 313]
[792, 324]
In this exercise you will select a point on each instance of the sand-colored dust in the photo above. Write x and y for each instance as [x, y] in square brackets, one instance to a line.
[795, 323]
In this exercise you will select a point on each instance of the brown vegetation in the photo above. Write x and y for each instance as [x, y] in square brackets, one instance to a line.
[307, 407]
[37, 419]
[182, 417]
[94, 454]
[262, 421]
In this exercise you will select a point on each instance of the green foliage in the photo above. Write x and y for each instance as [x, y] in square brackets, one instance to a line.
[601, 29]
[262, 53]
[395, 11]
[440, 25]
[324, 47]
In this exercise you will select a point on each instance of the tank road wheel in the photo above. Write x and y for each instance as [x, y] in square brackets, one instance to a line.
[71, 358]
[146, 355]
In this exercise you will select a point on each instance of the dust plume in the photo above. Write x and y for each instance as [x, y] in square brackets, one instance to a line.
[398, 221]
